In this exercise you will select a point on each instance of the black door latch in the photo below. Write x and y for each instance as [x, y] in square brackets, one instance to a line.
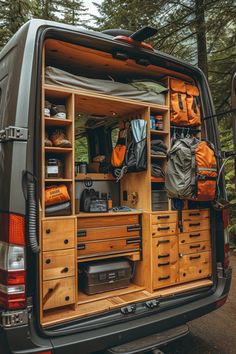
[128, 309]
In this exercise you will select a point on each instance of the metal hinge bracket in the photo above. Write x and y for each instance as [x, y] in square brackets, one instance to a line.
[15, 318]
[12, 133]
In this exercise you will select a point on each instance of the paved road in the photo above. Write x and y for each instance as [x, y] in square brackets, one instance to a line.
[214, 333]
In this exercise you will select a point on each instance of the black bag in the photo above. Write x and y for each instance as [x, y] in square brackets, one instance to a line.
[86, 197]
[136, 156]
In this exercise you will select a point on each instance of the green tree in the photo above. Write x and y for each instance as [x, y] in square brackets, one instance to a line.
[13, 14]
[72, 12]
[46, 9]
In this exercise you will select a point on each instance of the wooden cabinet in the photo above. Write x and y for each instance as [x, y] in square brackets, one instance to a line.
[164, 229]
[165, 261]
[108, 235]
[195, 266]
[59, 292]
[194, 247]
[168, 217]
[192, 215]
[58, 234]
[194, 236]
[58, 264]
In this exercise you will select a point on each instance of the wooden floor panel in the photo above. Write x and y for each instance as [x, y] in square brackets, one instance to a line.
[115, 299]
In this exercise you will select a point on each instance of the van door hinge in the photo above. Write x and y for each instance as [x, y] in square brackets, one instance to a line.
[128, 309]
[15, 318]
[12, 133]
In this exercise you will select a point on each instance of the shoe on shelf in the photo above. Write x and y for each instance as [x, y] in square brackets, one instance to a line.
[47, 141]
[47, 109]
[59, 139]
[58, 111]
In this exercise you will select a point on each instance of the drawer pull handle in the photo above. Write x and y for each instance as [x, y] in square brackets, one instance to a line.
[66, 242]
[133, 228]
[81, 233]
[195, 235]
[195, 224]
[48, 231]
[129, 241]
[163, 228]
[163, 217]
[65, 270]
[162, 241]
[194, 246]
[163, 264]
[196, 257]
[194, 214]
[48, 261]
[164, 278]
[81, 246]
[163, 255]
[67, 298]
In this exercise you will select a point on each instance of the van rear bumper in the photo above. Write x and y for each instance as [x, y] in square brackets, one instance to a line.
[26, 340]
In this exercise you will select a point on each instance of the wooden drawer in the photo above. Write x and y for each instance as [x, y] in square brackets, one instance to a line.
[106, 247]
[194, 236]
[164, 229]
[105, 221]
[163, 218]
[195, 266]
[94, 234]
[192, 215]
[58, 234]
[58, 264]
[197, 225]
[194, 247]
[58, 292]
[165, 261]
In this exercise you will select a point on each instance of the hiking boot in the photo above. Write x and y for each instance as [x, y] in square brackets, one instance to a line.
[47, 109]
[59, 139]
[47, 141]
[58, 111]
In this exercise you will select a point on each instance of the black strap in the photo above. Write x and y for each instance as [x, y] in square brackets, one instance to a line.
[181, 106]
[203, 178]
[195, 104]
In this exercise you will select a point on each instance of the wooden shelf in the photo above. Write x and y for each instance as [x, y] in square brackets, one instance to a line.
[87, 94]
[60, 315]
[84, 298]
[57, 150]
[135, 256]
[109, 213]
[58, 180]
[158, 179]
[159, 132]
[158, 157]
[95, 176]
[51, 122]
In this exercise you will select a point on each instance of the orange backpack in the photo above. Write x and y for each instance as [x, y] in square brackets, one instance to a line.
[185, 110]
[56, 195]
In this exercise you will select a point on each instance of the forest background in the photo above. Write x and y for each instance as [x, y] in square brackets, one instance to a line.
[202, 32]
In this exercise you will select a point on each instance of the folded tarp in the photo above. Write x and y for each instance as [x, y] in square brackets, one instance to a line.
[54, 76]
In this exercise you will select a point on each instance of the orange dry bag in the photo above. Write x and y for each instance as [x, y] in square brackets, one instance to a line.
[56, 195]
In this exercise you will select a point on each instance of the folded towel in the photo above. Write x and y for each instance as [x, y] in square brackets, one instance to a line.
[157, 171]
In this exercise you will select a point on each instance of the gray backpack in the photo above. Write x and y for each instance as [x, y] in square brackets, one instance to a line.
[191, 170]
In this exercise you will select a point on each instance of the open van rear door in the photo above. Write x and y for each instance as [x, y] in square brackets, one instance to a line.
[233, 104]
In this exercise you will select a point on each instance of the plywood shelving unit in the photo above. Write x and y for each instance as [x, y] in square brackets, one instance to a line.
[60, 298]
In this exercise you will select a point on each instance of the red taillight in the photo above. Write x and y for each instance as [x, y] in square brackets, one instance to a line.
[12, 261]
[12, 277]
[221, 302]
[12, 228]
[132, 41]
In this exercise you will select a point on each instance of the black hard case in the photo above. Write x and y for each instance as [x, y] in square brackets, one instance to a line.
[101, 276]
